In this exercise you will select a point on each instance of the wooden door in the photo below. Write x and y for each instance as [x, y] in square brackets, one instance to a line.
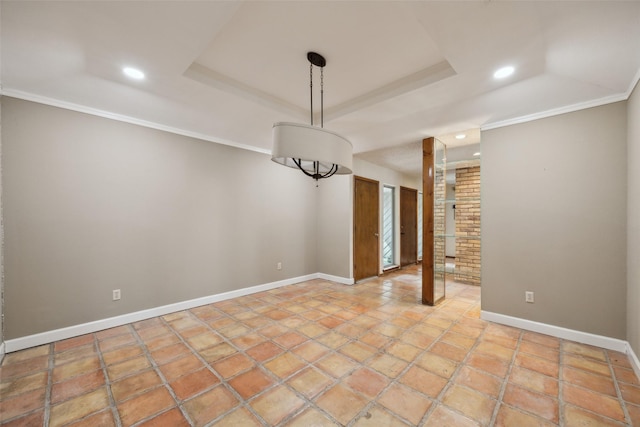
[366, 234]
[408, 226]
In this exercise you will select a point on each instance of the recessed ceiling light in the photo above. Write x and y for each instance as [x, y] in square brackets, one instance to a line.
[134, 73]
[503, 72]
[476, 154]
[461, 136]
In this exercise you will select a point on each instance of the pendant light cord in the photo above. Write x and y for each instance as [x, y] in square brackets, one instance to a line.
[321, 97]
[321, 94]
[311, 89]
[315, 171]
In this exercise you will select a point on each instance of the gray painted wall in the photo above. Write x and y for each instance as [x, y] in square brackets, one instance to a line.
[633, 220]
[335, 219]
[1, 249]
[554, 220]
[93, 205]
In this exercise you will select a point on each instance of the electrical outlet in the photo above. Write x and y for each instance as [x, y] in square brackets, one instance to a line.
[528, 297]
[116, 294]
[279, 266]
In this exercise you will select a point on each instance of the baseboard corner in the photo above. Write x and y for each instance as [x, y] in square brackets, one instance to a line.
[337, 279]
[557, 331]
[633, 359]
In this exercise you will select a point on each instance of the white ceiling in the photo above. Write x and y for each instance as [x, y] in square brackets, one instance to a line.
[396, 72]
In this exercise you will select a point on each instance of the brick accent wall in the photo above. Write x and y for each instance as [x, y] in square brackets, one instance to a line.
[467, 214]
[439, 194]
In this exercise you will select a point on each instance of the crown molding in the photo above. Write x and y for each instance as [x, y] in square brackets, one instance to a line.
[633, 84]
[126, 119]
[556, 111]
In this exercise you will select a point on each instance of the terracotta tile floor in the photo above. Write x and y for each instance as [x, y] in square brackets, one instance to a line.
[316, 354]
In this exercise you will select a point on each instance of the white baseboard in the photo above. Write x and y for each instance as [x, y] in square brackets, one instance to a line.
[2, 352]
[557, 331]
[99, 325]
[569, 334]
[633, 359]
[338, 279]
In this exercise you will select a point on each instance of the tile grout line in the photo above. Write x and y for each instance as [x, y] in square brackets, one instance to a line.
[621, 400]
[47, 399]
[618, 397]
[107, 381]
[223, 382]
[382, 350]
[394, 381]
[505, 381]
[450, 381]
[277, 380]
[207, 365]
[561, 417]
[412, 363]
[165, 383]
[334, 351]
[312, 365]
[438, 399]
[310, 401]
[337, 381]
[245, 403]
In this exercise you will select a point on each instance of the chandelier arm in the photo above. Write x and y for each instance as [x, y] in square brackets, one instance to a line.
[298, 163]
[316, 168]
[330, 172]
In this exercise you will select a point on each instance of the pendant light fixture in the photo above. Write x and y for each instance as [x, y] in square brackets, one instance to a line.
[317, 152]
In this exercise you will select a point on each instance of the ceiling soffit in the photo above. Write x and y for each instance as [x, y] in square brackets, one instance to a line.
[267, 39]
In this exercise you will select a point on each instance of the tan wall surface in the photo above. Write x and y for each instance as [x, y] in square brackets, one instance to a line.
[335, 219]
[554, 220]
[1, 245]
[633, 220]
[93, 205]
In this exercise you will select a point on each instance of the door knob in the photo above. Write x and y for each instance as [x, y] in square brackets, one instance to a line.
[375, 234]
